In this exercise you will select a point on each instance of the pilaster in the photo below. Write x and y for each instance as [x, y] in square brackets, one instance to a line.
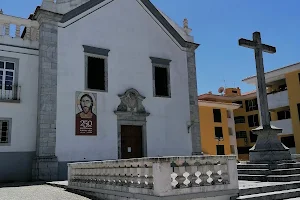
[193, 98]
[46, 165]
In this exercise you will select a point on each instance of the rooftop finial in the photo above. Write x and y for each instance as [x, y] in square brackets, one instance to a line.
[186, 28]
[1, 11]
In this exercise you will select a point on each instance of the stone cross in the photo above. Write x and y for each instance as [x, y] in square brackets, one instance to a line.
[259, 48]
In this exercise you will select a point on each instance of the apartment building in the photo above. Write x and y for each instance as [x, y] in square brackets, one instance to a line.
[245, 117]
[217, 127]
[283, 87]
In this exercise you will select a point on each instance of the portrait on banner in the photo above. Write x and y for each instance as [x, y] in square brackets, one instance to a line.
[86, 113]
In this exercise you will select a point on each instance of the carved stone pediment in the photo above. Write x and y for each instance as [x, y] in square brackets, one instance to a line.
[131, 102]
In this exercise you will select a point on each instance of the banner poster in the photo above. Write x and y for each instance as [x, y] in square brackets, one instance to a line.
[86, 113]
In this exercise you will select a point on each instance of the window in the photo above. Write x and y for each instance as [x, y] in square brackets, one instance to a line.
[298, 105]
[217, 115]
[8, 79]
[232, 149]
[96, 78]
[4, 131]
[239, 120]
[241, 134]
[243, 150]
[218, 132]
[220, 150]
[253, 137]
[96, 68]
[288, 141]
[285, 114]
[161, 77]
[282, 87]
[253, 120]
[251, 105]
[299, 76]
[234, 91]
[228, 114]
[230, 131]
[238, 102]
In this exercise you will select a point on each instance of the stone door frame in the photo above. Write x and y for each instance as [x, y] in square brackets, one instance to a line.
[132, 112]
[142, 123]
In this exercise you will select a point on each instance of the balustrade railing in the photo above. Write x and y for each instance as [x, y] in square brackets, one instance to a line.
[165, 176]
[10, 93]
[14, 27]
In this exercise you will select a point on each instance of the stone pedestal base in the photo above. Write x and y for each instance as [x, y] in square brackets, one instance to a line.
[268, 149]
[45, 168]
[197, 154]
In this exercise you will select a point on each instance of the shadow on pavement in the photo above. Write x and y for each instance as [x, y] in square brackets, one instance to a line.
[21, 184]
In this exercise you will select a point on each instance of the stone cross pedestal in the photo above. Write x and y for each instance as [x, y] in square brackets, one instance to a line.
[268, 149]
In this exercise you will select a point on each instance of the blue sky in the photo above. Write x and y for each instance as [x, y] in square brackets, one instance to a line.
[217, 25]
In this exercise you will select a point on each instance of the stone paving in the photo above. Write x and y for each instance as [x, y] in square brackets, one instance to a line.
[36, 192]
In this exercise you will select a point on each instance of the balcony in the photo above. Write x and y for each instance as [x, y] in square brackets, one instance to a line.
[10, 93]
[278, 99]
[285, 124]
[18, 31]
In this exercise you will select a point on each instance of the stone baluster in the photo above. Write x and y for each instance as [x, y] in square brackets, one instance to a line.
[138, 177]
[37, 35]
[28, 33]
[18, 27]
[1, 29]
[7, 28]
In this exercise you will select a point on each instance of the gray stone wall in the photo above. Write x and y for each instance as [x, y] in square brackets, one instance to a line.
[15, 166]
[193, 99]
[46, 165]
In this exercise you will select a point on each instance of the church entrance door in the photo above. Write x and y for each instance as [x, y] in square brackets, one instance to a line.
[131, 141]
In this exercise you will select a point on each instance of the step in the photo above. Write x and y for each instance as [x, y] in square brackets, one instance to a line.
[266, 166]
[288, 171]
[283, 194]
[248, 177]
[270, 188]
[252, 171]
[283, 178]
[252, 166]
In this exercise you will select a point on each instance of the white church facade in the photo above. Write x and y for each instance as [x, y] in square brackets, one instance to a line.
[94, 80]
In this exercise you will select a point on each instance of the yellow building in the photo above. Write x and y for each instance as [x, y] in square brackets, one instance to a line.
[245, 118]
[283, 86]
[217, 127]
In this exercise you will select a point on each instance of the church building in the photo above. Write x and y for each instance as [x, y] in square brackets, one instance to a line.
[84, 80]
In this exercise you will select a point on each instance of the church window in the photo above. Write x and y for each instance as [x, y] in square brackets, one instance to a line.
[8, 78]
[161, 77]
[96, 73]
[5, 127]
[96, 68]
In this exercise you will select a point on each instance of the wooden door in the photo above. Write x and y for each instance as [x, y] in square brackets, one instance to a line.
[131, 142]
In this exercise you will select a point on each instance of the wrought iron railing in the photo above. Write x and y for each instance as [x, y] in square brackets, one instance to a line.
[10, 92]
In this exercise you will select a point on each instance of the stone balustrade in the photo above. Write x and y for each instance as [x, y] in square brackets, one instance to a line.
[197, 176]
[11, 26]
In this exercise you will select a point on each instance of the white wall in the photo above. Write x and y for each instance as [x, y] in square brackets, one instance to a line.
[231, 124]
[285, 124]
[132, 37]
[23, 114]
[278, 100]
